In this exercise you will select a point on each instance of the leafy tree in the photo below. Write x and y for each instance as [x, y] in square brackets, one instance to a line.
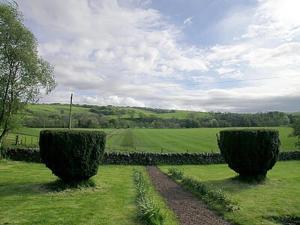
[24, 76]
[296, 131]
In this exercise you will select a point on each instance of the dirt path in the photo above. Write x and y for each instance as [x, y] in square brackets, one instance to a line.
[189, 210]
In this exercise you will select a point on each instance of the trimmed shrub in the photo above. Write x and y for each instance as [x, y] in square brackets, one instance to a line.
[251, 153]
[72, 155]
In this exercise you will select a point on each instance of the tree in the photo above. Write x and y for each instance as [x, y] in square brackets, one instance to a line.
[296, 130]
[24, 76]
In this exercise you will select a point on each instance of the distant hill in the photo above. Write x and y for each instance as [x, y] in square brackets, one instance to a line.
[91, 116]
[110, 111]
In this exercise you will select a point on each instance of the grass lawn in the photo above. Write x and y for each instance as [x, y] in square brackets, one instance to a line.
[179, 140]
[157, 140]
[25, 199]
[278, 196]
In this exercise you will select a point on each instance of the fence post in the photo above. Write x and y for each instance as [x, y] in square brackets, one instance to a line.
[17, 140]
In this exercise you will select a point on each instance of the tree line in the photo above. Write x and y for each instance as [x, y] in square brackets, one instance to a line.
[115, 117]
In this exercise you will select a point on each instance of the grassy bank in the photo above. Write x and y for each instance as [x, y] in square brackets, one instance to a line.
[279, 196]
[26, 199]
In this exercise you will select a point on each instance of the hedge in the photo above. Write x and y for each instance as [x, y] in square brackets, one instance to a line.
[250, 152]
[72, 155]
[137, 158]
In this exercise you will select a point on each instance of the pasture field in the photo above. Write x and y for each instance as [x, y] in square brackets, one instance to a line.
[157, 140]
[25, 198]
[44, 109]
[59, 109]
[278, 196]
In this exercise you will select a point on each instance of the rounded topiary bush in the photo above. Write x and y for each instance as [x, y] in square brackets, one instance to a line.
[72, 155]
[249, 152]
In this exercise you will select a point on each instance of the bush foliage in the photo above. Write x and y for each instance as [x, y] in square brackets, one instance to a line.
[214, 198]
[175, 173]
[249, 152]
[72, 155]
[148, 212]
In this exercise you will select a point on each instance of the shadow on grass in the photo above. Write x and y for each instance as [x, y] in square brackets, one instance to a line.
[236, 184]
[286, 220]
[252, 180]
[29, 189]
[60, 185]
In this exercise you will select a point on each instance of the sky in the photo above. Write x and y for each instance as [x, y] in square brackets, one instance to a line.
[204, 55]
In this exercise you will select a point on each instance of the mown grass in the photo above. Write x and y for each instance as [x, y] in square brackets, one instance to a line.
[179, 140]
[28, 196]
[26, 200]
[278, 196]
[160, 140]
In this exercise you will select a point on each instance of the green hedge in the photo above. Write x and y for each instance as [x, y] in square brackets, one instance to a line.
[124, 158]
[72, 155]
[250, 152]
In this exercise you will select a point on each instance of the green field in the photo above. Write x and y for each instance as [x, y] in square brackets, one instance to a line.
[57, 109]
[157, 140]
[279, 196]
[44, 109]
[26, 200]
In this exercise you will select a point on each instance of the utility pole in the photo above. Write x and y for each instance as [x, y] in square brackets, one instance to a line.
[70, 113]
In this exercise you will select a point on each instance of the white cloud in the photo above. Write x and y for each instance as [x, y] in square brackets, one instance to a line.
[125, 53]
[277, 19]
[188, 21]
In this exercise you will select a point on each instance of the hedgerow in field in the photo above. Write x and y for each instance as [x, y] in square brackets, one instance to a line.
[249, 152]
[148, 211]
[72, 155]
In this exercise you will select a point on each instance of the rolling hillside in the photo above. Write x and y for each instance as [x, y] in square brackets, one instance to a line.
[91, 116]
[115, 111]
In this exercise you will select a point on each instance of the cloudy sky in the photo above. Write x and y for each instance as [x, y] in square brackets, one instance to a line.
[207, 55]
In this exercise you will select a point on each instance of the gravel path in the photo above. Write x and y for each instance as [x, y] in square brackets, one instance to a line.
[189, 210]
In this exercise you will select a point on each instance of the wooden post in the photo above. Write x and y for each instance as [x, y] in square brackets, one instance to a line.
[70, 113]
[17, 140]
